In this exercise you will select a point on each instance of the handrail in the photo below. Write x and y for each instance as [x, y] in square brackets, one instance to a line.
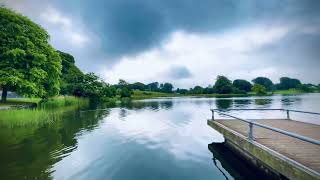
[261, 109]
[251, 123]
[275, 109]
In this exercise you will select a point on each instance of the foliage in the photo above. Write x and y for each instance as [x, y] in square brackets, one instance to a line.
[28, 64]
[223, 85]
[305, 88]
[125, 92]
[181, 91]
[153, 86]
[266, 82]
[138, 86]
[242, 85]
[288, 83]
[75, 82]
[72, 76]
[196, 90]
[166, 87]
[124, 89]
[259, 89]
[62, 101]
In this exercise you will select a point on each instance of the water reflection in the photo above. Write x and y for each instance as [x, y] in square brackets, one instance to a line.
[242, 103]
[290, 100]
[31, 152]
[224, 103]
[263, 102]
[232, 166]
[150, 139]
[152, 105]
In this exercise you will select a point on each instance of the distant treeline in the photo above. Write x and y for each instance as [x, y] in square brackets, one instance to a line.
[259, 85]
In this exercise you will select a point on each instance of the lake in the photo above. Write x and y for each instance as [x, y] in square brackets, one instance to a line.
[149, 139]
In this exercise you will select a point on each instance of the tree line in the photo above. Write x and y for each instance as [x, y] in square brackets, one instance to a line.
[223, 85]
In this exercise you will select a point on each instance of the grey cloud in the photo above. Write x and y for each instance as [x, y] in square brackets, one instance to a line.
[178, 72]
[128, 27]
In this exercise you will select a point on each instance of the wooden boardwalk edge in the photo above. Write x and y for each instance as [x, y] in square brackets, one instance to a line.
[263, 157]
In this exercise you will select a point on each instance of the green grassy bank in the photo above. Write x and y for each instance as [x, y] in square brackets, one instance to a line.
[46, 111]
[288, 92]
[139, 95]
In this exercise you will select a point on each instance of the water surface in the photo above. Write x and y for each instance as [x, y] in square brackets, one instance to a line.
[150, 139]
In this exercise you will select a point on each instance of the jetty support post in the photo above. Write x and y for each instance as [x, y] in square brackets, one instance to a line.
[212, 118]
[250, 134]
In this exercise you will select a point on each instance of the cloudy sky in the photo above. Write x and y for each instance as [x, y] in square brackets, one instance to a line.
[186, 42]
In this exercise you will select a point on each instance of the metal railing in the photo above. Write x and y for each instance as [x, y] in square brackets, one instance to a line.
[251, 123]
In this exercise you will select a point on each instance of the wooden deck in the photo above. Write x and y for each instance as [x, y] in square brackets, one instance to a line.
[304, 153]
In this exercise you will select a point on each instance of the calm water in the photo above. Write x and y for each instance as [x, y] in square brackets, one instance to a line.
[151, 139]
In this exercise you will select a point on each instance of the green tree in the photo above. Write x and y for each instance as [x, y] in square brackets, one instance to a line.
[288, 83]
[266, 82]
[71, 76]
[139, 86]
[223, 85]
[123, 89]
[259, 89]
[197, 90]
[166, 87]
[305, 88]
[153, 86]
[181, 91]
[28, 64]
[242, 84]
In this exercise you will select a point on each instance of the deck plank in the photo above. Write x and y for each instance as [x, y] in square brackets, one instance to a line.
[303, 152]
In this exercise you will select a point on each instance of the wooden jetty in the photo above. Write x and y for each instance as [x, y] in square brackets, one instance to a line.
[282, 147]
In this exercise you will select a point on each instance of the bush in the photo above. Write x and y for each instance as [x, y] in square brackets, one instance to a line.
[259, 89]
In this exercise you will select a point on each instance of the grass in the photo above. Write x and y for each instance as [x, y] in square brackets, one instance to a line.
[62, 101]
[288, 92]
[20, 101]
[47, 110]
[25, 117]
[138, 95]
[150, 94]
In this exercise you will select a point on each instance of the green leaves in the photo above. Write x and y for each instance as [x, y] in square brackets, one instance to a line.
[28, 64]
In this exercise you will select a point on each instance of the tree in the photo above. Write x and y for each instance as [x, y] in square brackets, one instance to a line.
[124, 89]
[139, 86]
[153, 86]
[181, 91]
[166, 87]
[28, 64]
[242, 85]
[71, 76]
[197, 90]
[223, 85]
[305, 88]
[266, 82]
[288, 83]
[259, 89]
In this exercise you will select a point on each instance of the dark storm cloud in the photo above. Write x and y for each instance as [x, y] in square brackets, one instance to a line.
[178, 72]
[127, 27]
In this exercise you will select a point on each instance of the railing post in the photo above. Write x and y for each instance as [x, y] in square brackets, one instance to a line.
[288, 115]
[212, 118]
[250, 135]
